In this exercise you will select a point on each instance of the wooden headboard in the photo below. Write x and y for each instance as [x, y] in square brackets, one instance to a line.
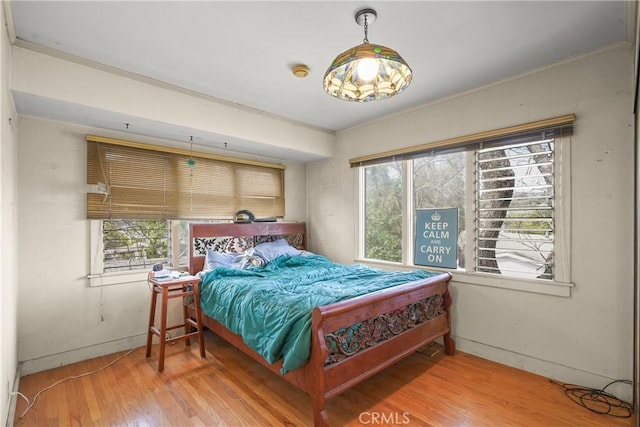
[235, 237]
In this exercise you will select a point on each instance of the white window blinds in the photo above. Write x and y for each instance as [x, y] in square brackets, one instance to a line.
[515, 200]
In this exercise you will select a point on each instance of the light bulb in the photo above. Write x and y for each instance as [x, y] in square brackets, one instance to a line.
[367, 69]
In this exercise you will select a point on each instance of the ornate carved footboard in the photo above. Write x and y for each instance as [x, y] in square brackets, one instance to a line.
[352, 339]
[402, 320]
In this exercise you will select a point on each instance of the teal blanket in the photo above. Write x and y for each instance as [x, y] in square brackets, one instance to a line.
[270, 306]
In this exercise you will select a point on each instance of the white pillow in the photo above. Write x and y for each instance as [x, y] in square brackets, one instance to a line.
[269, 251]
[215, 259]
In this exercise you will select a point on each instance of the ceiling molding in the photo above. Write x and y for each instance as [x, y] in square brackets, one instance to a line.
[8, 17]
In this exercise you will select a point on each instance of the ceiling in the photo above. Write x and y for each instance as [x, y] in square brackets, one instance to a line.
[242, 52]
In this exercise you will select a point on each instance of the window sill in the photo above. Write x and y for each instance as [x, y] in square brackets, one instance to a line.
[544, 287]
[122, 277]
[118, 278]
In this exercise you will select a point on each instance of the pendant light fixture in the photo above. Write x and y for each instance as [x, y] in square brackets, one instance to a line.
[367, 72]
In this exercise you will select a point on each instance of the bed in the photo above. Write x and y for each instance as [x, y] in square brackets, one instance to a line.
[346, 341]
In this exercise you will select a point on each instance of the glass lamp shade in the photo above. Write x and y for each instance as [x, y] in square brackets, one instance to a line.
[346, 80]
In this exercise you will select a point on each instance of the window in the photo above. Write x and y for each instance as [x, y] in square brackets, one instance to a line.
[124, 251]
[511, 193]
[135, 244]
[141, 198]
[514, 206]
[139, 244]
[439, 181]
[383, 212]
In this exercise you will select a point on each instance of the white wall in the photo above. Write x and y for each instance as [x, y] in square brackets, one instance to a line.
[587, 338]
[61, 319]
[8, 227]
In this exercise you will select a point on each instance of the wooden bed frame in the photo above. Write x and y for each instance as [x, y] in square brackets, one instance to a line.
[322, 380]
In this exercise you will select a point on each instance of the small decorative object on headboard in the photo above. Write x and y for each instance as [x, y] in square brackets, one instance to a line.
[244, 216]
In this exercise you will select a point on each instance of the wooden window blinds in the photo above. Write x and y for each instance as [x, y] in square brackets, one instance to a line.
[553, 127]
[142, 181]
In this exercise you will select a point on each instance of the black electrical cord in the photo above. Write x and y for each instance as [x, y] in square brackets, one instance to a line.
[598, 400]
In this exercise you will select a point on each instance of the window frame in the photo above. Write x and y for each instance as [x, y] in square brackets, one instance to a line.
[98, 277]
[560, 286]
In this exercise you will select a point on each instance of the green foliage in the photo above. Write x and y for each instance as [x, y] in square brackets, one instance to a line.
[438, 182]
[541, 227]
[383, 212]
[131, 244]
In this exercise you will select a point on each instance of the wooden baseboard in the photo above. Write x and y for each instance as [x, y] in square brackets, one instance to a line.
[546, 368]
[44, 363]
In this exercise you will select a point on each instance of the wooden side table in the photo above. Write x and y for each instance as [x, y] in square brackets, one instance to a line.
[176, 288]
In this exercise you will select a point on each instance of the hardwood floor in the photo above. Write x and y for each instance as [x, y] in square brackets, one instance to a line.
[229, 388]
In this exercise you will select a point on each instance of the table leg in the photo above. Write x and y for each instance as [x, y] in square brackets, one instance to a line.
[196, 303]
[185, 316]
[163, 327]
[152, 315]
